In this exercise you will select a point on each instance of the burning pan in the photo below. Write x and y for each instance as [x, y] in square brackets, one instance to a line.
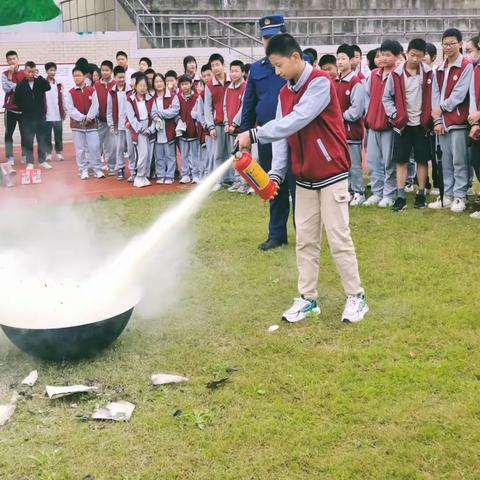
[69, 343]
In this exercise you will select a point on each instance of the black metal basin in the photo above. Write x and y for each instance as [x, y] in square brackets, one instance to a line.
[69, 343]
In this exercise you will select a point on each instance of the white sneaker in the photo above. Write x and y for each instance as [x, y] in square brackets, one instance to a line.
[60, 157]
[141, 182]
[250, 191]
[475, 215]
[45, 166]
[385, 202]
[458, 205]
[185, 179]
[161, 181]
[435, 192]
[49, 158]
[409, 188]
[216, 187]
[437, 204]
[358, 199]
[300, 309]
[355, 308]
[373, 200]
[234, 188]
[244, 188]
[99, 174]
[195, 180]
[84, 175]
[29, 166]
[168, 181]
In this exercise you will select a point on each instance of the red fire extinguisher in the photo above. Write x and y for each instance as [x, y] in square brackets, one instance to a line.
[254, 174]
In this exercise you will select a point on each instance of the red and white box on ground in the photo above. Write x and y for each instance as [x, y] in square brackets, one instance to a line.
[31, 176]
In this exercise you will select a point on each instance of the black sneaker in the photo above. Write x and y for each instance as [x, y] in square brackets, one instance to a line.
[121, 174]
[420, 201]
[399, 205]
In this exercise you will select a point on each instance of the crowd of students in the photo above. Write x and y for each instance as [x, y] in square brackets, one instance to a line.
[409, 112]
[118, 113]
[402, 113]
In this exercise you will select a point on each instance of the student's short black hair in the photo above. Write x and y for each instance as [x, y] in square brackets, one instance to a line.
[248, 66]
[238, 63]
[216, 57]
[149, 71]
[146, 60]
[184, 79]
[78, 68]
[283, 44]
[171, 73]
[90, 68]
[391, 46]
[118, 69]
[138, 78]
[327, 59]
[417, 44]
[453, 32]
[30, 64]
[81, 61]
[312, 52]
[121, 53]
[371, 58]
[346, 49]
[99, 72]
[476, 41]
[137, 75]
[356, 48]
[11, 53]
[107, 63]
[188, 59]
[205, 68]
[50, 65]
[431, 49]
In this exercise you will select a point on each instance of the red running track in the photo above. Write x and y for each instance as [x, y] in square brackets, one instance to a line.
[62, 184]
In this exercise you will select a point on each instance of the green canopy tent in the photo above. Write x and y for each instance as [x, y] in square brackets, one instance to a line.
[14, 12]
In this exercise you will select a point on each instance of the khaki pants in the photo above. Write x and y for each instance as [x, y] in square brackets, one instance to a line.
[314, 209]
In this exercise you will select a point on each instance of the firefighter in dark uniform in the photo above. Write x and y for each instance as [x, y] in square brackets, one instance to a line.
[259, 107]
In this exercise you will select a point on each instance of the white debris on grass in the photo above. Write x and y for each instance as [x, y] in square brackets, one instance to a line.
[167, 378]
[6, 411]
[30, 379]
[273, 328]
[120, 411]
[58, 392]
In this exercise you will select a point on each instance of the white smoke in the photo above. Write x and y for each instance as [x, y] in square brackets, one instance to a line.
[54, 271]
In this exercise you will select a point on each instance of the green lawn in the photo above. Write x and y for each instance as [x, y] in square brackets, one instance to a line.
[394, 397]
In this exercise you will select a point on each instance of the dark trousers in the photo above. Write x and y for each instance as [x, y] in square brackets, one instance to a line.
[433, 148]
[475, 158]
[280, 206]
[11, 119]
[57, 128]
[33, 127]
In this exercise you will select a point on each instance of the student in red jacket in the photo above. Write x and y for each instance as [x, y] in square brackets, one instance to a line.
[450, 104]
[407, 100]
[474, 121]
[232, 112]
[351, 95]
[10, 79]
[107, 140]
[308, 131]
[381, 168]
[187, 131]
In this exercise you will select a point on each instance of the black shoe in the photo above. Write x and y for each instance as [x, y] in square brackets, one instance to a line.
[420, 201]
[270, 244]
[399, 205]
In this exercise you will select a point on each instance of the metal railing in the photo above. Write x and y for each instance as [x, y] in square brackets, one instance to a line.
[173, 31]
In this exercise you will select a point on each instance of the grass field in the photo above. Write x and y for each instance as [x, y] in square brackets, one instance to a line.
[394, 397]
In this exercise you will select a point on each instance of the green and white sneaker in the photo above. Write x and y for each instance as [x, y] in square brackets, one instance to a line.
[300, 310]
[355, 308]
